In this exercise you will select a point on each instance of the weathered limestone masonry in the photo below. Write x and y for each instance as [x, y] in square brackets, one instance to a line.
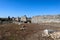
[23, 19]
[46, 19]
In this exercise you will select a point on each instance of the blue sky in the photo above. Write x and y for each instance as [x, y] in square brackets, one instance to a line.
[29, 7]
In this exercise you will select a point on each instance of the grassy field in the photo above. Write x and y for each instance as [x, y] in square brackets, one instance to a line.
[31, 31]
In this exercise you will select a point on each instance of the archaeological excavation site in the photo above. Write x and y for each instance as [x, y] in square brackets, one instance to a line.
[34, 28]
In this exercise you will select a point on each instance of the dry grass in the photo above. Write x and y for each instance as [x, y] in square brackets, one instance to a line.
[31, 32]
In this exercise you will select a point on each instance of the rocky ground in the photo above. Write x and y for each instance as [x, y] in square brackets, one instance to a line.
[31, 31]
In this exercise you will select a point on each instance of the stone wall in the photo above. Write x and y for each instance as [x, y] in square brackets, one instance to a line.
[45, 19]
[23, 18]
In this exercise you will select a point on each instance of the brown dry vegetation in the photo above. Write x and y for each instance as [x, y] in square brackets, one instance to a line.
[31, 31]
